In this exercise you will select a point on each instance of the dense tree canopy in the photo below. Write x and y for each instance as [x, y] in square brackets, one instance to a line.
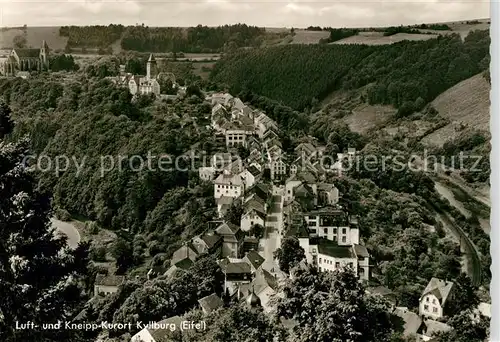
[396, 73]
[39, 275]
[289, 254]
[332, 306]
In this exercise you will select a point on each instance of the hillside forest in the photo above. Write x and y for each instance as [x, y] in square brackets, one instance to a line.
[80, 113]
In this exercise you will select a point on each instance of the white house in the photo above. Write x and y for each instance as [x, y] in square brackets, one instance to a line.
[363, 261]
[277, 166]
[235, 137]
[265, 286]
[252, 216]
[328, 194]
[106, 284]
[250, 176]
[228, 185]
[331, 256]
[332, 224]
[436, 295]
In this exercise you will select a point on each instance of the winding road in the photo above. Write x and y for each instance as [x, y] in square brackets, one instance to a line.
[69, 230]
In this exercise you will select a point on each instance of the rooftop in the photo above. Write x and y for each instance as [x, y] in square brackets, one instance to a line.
[439, 288]
[210, 303]
[188, 251]
[226, 179]
[236, 267]
[412, 321]
[227, 228]
[254, 259]
[361, 251]
[162, 333]
[109, 279]
[332, 249]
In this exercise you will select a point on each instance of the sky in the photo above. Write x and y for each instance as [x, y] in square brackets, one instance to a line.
[265, 13]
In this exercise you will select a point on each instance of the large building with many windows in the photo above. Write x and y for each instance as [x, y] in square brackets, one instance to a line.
[330, 239]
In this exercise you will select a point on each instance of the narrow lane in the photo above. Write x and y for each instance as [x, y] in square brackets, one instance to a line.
[67, 229]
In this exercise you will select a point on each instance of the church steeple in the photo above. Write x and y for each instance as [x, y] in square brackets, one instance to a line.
[253, 300]
[152, 71]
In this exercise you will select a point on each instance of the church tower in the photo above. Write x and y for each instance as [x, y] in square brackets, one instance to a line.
[152, 70]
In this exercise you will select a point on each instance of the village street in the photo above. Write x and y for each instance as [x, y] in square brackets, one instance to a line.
[272, 234]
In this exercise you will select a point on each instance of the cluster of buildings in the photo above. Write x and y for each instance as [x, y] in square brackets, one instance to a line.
[328, 234]
[149, 84]
[20, 62]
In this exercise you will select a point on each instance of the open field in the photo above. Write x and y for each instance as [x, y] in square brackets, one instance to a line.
[35, 35]
[467, 104]
[366, 117]
[378, 38]
[309, 37]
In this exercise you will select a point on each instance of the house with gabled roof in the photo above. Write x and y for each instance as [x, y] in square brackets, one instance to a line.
[184, 257]
[306, 149]
[411, 321]
[208, 243]
[253, 214]
[265, 286]
[437, 294]
[269, 135]
[236, 272]
[254, 259]
[328, 194]
[107, 283]
[250, 176]
[223, 204]
[232, 239]
[210, 303]
[229, 185]
[430, 328]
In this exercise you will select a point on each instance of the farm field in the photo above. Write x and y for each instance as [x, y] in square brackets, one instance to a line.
[309, 37]
[378, 38]
[467, 103]
[34, 36]
[366, 117]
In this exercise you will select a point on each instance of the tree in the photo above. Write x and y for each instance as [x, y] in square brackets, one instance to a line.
[333, 306]
[257, 230]
[39, 276]
[234, 213]
[6, 124]
[193, 89]
[289, 254]
[466, 329]
[236, 323]
[19, 42]
[465, 296]
[123, 252]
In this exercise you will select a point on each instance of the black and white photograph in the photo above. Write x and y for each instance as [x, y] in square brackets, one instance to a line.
[247, 171]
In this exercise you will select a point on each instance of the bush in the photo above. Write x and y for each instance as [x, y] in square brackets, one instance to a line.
[63, 215]
[92, 227]
[98, 253]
